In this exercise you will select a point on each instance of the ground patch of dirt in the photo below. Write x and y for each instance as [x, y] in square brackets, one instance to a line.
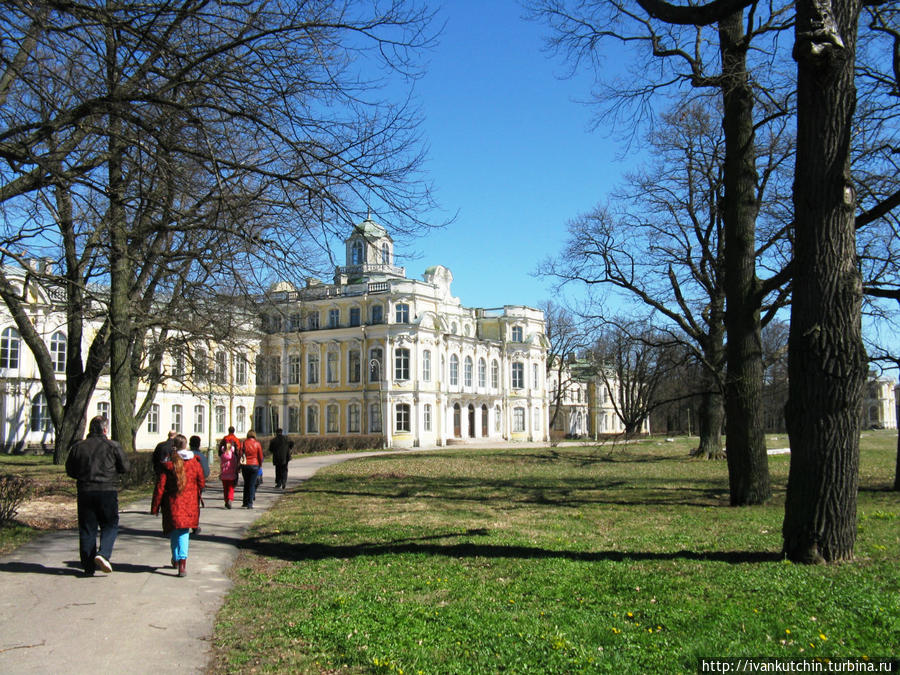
[49, 512]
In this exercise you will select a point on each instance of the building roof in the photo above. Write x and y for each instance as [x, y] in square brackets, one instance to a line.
[370, 230]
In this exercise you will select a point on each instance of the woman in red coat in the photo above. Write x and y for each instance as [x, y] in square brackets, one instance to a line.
[178, 493]
[252, 459]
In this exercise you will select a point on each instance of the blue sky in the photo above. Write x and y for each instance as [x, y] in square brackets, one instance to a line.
[510, 153]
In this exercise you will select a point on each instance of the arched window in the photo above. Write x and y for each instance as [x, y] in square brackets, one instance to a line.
[312, 419]
[58, 351]
[385, 254]
[40, 414]
[402, 418]
[454, 370]
[9, 348]
[356, 253]
[467, 371]
[482, 373]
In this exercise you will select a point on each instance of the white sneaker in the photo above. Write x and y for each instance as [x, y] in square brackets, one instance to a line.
[102, 564]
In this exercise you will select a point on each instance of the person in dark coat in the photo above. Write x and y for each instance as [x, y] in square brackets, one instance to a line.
[280, 447]
[177, 494]
[162, 453]
[96, 463]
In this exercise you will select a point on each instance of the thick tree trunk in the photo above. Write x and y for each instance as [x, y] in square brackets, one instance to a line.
[897, 467]
[748, 468]
[711, 416]
[122, 392]
[826, 357]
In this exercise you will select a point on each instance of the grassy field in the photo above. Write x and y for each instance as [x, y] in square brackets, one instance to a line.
[554, 560]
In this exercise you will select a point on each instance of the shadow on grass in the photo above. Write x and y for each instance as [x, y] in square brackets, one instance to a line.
[428, 546]
[700, 493]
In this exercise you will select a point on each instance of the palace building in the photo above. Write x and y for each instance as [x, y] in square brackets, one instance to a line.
[377, 353]
[371, 353]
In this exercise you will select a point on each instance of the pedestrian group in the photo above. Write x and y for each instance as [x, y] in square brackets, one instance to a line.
[181, 469]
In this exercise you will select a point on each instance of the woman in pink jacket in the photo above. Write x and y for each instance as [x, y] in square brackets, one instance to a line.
[229, 462]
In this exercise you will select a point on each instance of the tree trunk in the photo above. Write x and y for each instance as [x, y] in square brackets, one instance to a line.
[826, 358]
[122, 393]
[897, 467]
[711, 416]
[748, 468]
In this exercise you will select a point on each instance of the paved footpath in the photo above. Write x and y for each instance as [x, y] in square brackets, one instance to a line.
[141, 618]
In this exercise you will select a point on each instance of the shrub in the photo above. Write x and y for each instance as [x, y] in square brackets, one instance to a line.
[304, 445]
[140, 471]
[13, 491]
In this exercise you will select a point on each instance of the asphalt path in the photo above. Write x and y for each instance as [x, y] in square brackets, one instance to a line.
[141, 618]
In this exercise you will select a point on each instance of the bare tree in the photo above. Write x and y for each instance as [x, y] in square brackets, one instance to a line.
[688, 52]
[226, 142]
[631, 361]
[567, 339]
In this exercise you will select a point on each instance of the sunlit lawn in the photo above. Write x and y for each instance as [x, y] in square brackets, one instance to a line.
[555, 560]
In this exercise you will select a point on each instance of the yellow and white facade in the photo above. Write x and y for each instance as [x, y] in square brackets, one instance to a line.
[377, 353]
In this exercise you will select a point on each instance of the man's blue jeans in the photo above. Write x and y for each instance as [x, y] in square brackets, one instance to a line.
[97, 510]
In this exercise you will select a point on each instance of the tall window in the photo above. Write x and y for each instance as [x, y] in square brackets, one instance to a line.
[426, 365]
[334, 318]
[518, 375]
[312, 419]
[293, 419]
[153, 419]
[40, 414]
[402, 418]
[176, 418]
[240, 419]
[401, 313]
[58, 352]
[260, 369]
[353, 365]
[517, 333]
[518, 419]
[294, 322]
[401, 364]
[482, 373]
[376, 359]
[385, 254]
[426, 417]
[178, 365]
[353, 418]
[535, 376]
[467, 372]
[240, 370]
[275, 370]
[356, 253]
[331, 419]
[331, 367]
[497, 419]
[354, 316]
[221, 371]
[495, 374]
[199, 417]
[377, 314]
[294, 369]
[375, 418]
[312, 321]
[259, 419]
[220, 419]
[200, 365]
[454, 370]
[312, 368]
[9, 348]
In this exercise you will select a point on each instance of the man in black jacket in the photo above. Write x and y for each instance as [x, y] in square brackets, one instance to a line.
[96, 463]
[280, 448]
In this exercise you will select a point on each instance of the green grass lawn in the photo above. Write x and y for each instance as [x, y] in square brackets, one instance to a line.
[557, 560]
